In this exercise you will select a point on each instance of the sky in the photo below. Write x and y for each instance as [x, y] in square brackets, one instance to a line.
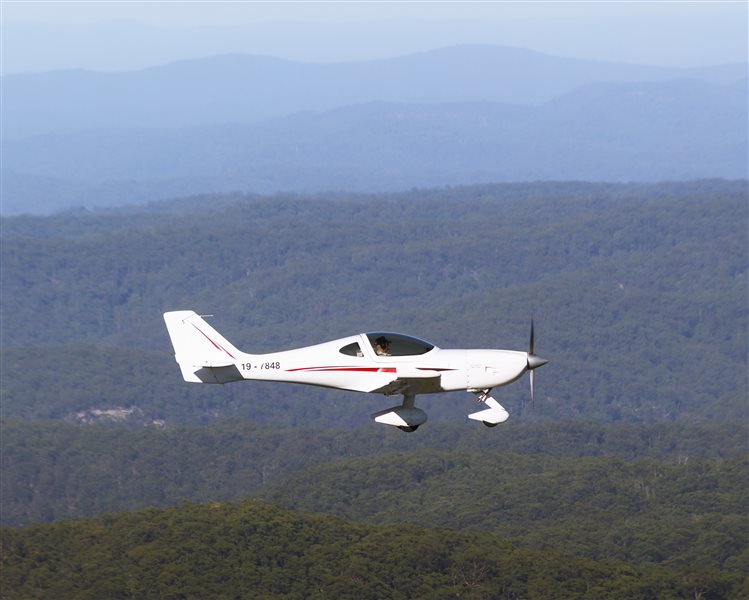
[125, 35]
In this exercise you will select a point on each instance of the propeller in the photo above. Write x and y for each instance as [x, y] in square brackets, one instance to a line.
[534, 362]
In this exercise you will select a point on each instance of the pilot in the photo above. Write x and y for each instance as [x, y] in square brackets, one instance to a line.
[382, 346]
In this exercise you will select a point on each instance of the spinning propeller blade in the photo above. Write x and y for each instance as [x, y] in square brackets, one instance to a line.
[533, 394]
[530, 350]
[533, 363]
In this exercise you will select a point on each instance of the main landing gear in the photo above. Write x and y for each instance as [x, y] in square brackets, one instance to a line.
[405, 417]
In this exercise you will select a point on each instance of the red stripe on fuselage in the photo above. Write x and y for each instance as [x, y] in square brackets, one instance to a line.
[359, 369]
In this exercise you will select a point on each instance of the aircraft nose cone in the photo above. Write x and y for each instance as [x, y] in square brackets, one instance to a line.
[536, 361]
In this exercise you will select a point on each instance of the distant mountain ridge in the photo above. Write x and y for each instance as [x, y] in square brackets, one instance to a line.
[676, 130]
[247, 88]
[455, 116]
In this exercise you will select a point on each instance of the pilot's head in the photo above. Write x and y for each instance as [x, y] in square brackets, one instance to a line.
[382, 341]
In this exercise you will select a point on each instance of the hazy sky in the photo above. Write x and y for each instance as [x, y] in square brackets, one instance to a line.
[107, 35]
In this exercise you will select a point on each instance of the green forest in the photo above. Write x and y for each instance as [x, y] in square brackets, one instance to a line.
[56, 471]
[628, 479]
[631, 286]
[253, 549]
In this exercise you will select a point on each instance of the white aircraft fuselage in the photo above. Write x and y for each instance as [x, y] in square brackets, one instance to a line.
[380, 362]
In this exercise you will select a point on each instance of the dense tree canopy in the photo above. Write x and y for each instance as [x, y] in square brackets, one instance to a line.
[57, 471]
[261, 550]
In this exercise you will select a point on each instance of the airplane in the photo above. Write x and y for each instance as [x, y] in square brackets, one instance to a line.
[377, 362]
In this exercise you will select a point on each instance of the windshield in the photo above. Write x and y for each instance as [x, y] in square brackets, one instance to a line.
[397, 344]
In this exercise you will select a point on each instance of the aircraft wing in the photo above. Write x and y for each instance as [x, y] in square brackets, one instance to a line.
[413, 382]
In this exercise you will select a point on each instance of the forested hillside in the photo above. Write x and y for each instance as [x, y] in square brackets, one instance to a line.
[568, 488]
[251, 549]
[53, 470]
[638, 291]
[628, 480]
[692, 512]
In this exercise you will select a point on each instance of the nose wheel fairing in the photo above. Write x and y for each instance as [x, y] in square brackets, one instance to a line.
[493, 414]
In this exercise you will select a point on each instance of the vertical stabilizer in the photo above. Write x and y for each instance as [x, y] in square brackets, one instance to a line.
[198, 346]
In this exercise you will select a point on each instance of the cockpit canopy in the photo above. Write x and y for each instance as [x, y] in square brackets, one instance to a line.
[396, 344]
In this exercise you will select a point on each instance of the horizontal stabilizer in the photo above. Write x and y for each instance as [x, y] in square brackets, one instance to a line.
[218, 374]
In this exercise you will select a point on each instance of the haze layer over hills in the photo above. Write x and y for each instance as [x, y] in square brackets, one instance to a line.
[460, 115]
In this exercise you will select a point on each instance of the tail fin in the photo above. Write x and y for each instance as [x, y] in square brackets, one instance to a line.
[203, 354]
